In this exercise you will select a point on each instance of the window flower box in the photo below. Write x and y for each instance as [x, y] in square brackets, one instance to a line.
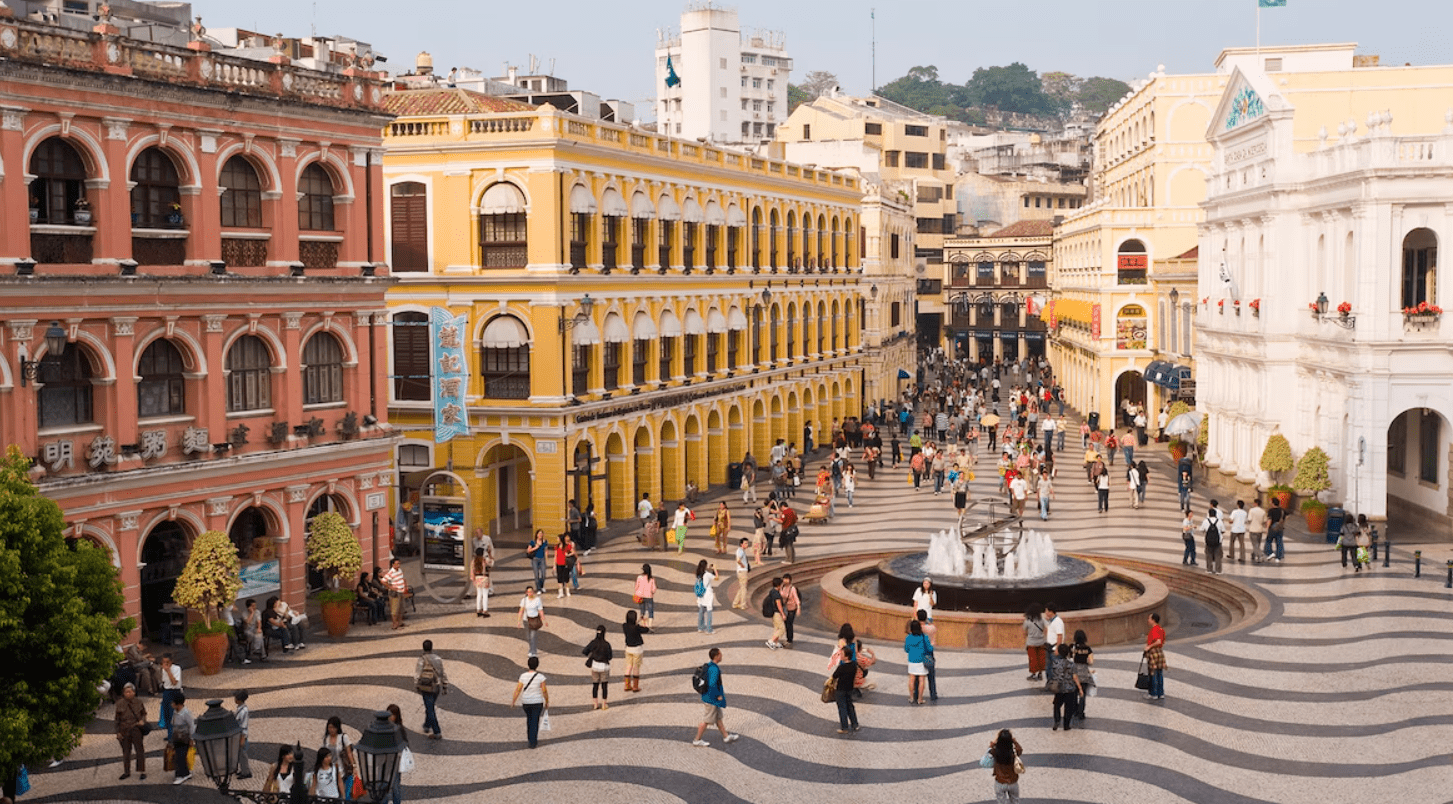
[1255, 306]
[1422, 313]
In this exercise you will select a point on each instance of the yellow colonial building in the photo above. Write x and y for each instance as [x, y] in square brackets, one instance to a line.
[1149, 178]
[641, 311]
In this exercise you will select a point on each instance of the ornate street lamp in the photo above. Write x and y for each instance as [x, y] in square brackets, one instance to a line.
[378, 754]
[219, 743]
[1321, 304]
[55, 344]
[582, 317]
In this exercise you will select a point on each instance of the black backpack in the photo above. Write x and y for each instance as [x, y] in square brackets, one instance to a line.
[769, 607]
[698, 678]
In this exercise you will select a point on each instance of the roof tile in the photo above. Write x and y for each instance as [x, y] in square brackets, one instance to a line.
[1026, 229]
[444, 101]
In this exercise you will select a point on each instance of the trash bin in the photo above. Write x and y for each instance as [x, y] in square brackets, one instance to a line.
[1094, 420]
[1336, 518]
[734, 475]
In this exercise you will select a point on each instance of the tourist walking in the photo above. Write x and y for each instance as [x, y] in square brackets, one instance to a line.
[1255, 530]
[1084, 667]
[243, 715]
[336, 741]
[850, 483]
[843, 667]
[598, 655]
[743, 566]
[1144, 472]
[1275, 525]
[536, 551]
[1238, 532]
[171, 687]
[791, 604]
[280, 776]
[1155, 658]
[635, 650]
[1033, 626]
[1045, 490]
[565, 559]
[1003, 757]
[678, 524]
[1018, 493]
[773, 608]
[961, 494]
[1102, 490]
[430, 682]
[180, 737]
[1211, 526]
[644, 595]
[532, 616]
[930, 632]
[1188, 537]
[1132, 484]
[131, 729]
[705, 595]
[534, 696]
[787, 521]
[396, 717]
[713, 697]
[919, 651]
[925, 597]
[1066, 688]
[323, 781]
[479, 578]
[1183, 486]
[721, 528]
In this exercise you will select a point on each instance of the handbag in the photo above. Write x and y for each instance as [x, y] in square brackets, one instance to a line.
[22, 782]
[829, 689]
[534, 623]
[636, 599]
[357, 788]
[1018, 765]
[670, 535]
[928, 660]
[1142, 677]
[406, 761]
[144, 728]
[168, 757]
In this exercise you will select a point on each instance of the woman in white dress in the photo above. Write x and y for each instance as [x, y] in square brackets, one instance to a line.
[925, 598]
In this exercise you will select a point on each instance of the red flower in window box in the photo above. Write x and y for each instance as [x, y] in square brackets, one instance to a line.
[1345, 308]
[1255, 305]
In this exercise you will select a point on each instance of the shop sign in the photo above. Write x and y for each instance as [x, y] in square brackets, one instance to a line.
[450, 375]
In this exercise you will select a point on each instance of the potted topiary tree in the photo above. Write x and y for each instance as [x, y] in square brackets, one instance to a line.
[1276, 459]
[1312, 477]
[1203, 437]
[334, 550]
[209, 582]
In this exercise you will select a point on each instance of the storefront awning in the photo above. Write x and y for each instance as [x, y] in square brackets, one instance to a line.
[735, 319]
[615, 329]
[1072, 309]
[612, 204]
[715, 321]
[504, 332]
[670, 325]
[585, 334]
[581, 201]
[642, 327]
[641, 208]
[1156, 370]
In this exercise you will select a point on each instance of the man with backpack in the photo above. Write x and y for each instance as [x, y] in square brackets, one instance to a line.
[773, 609]
[430, 681]
[707, 681]
[1213, 523]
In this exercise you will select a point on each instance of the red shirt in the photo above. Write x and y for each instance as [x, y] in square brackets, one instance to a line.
[1156, 633]
[789, 517]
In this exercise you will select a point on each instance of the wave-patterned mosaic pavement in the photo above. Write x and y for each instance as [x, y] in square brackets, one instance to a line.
[1342, 695]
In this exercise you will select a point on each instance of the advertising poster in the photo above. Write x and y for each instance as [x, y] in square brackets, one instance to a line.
[444, 532]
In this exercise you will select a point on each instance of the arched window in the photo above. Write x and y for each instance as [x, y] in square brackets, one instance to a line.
[821, 230]
[409, 226]
[1130, 327]
[60, 181]
[162, 390]
[322, 370]
[504, 359]
[792, 257]
[835, 262]
[791, 331]
[412, 369]
[66, 391]
[1420, 268]
[249, 375]
[772, 242]
[757, 238]
[1131, 263]
[502, 231]
[772, 331]
[155, 197]
[241, 194]
[833, 326]
[315, 207]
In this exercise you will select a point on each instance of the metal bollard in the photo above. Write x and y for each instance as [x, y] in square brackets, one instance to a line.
[1449, 584]
[1417, 563]
[1386, 552]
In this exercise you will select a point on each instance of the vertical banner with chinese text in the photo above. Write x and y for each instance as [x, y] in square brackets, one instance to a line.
[450, 374]
[1095, 321]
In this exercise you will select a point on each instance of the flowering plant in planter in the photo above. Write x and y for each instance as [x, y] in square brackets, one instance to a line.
[1236, 305]
[1220, 305]
[1345, 308]
[1255, 306]
[1423, 310]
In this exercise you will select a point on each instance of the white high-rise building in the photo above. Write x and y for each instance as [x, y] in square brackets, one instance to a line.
[733, 83]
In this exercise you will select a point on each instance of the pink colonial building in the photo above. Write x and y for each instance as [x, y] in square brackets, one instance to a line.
[192, 290]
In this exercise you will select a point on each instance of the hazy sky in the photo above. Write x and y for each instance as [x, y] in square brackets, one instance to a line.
[595, 46]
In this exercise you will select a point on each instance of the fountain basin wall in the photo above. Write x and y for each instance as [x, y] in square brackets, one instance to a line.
[1079, 584]
[1121, 623]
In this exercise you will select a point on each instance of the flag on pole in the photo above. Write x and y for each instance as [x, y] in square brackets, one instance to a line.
[1271, 3]
[673, 81]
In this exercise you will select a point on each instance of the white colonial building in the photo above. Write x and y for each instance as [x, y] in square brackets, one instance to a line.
[719, 83]
[1337, 186]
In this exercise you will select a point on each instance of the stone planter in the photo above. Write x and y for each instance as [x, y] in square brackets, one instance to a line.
[335, 616]
[210, 651]
[1420, 319]
[82, 217]
[1283, 498]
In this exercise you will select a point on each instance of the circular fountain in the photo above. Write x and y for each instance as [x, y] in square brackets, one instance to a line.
[1005, 573]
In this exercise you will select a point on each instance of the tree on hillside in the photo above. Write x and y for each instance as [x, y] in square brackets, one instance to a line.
[1062, 88]
[1014, 88]
[59, 609]
[920, 89]
[813, 85]
[1098, 94]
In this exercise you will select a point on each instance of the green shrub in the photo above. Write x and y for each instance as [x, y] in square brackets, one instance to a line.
[212, 576]
[333, 548]
[1312, 473]
[1277, 456]
[197, 629]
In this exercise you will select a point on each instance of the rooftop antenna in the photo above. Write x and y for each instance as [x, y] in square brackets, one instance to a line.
[873, 15]
[552, 67]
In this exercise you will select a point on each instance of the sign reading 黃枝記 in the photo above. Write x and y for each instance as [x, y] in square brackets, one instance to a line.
[450, 373]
